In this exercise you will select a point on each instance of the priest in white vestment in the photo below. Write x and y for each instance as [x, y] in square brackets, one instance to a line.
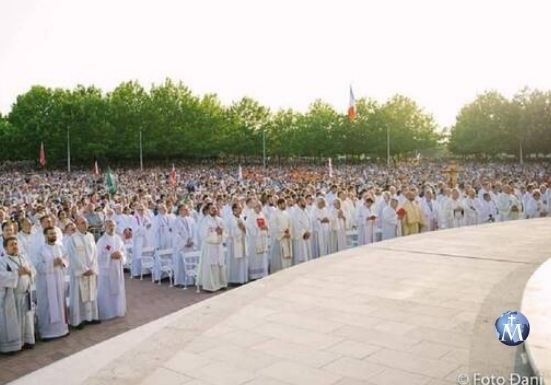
[508, 205]
[38, 239]
[24, 237]
[184, 241]
[322, 228]
[141, 226]
[445, 210]
[366, 217]
[122, 221]
[458, 209]
[237, 246]
[163, 228]
[534, 206]
[488, 210]
[257, 242]
[83, 268]
[471, 206]
[301, 233]
[337, 221]
[212, 274]
[111, 288]
[429, 209]
[16, 313]
[51, 288]
[281, 253]
[390, 221]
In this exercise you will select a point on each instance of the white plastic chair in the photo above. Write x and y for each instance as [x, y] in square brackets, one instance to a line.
[164, 265]
[191, 264]
[148, 261]
[128, 264]
[352, 238]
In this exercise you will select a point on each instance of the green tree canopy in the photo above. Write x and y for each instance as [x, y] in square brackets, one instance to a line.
[175, 123]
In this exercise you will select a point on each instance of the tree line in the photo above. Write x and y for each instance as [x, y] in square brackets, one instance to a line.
[176, 124]
[493, 125]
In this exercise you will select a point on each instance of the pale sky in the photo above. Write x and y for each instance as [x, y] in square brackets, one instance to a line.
[284, 53]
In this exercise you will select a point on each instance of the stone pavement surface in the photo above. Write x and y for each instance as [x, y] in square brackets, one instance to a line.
[416, 310]
[146, 302]
[536, 301]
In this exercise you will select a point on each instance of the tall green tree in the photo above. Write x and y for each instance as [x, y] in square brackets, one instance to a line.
[410, 128]
[481, 126]
[247, 120]
[126, 118]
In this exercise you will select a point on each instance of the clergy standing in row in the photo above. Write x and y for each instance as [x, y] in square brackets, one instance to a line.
[302, 233]
[322, 228]
[51, 265]
[111, 259]
[281, 255]
[211, 273]
[257, 242]
[141, 227]
[184, 241]
[237, 247]
[390, 220]
[83, 267]
[16, 313]
[366, 222]
[163, 224]
[338, 224]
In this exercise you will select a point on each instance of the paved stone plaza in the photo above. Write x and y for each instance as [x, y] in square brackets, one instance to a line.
[416, 310]
[146, 302]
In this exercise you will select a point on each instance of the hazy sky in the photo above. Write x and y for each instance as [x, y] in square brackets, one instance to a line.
[284, 53]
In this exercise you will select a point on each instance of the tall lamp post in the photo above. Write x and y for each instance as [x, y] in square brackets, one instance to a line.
[141, 150]
[68, 149]
[264, 147]
[522, 120]
[387, 147]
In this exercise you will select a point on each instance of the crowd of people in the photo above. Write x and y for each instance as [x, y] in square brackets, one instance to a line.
[65, 239]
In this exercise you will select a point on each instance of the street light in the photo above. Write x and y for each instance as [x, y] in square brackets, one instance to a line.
[264, 147]
[141, 151]
[68, 149]
[387, 147]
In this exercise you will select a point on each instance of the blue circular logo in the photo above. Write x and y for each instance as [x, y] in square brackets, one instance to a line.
[512, 328]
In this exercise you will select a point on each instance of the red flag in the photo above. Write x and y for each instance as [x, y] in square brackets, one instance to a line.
[352, 106]
[42, 156]
[96, 168]
[173, 176]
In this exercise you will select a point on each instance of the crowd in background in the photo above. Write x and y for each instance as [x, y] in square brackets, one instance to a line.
[66, 238]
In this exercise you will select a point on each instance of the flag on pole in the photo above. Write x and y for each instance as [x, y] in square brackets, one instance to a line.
[330, 166]
[172, 178]
[239, 173]
[110, 181]
[352, 106]
[42, 155]
[96, 168]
